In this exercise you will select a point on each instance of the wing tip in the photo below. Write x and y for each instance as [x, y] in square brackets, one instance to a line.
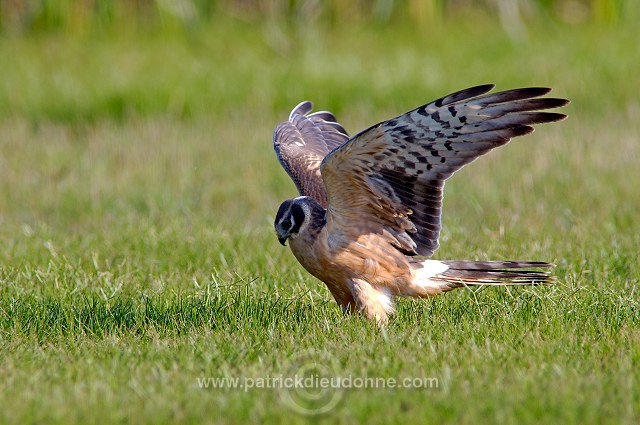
[555, 116]
[533, 119]
[484, 87]
[464, 94]
[521, 94]
[552, 102]
[302, 108]
[544, 117]
[519, 130]
[530, 92]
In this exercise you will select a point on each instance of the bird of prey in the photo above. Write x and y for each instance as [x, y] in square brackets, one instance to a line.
[369, 211]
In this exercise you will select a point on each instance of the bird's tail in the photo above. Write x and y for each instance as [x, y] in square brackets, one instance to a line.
[466, 272]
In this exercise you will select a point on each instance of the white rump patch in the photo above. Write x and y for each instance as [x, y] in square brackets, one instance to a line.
[429, 269]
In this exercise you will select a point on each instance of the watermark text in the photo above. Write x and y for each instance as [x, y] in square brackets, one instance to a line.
[316, 381]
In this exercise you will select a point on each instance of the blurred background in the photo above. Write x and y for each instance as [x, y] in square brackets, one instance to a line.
[86, 59]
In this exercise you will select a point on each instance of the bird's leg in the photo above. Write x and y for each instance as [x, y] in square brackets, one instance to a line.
[375, 302]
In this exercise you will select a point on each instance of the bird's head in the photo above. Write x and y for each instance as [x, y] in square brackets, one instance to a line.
[294, 215]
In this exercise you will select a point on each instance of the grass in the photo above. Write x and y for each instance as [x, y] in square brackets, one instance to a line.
[138, 186]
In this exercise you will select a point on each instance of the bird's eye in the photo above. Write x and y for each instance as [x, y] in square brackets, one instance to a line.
[286, 224]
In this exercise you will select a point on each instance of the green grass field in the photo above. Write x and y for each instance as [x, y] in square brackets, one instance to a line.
[138, 258]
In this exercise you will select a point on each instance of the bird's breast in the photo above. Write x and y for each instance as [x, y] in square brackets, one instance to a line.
[312, 251]
[336, 263]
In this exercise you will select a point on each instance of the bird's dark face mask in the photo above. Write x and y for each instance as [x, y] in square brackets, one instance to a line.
[288, 220]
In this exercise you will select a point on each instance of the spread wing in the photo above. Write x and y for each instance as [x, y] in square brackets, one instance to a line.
[302, 142]
[388, 179]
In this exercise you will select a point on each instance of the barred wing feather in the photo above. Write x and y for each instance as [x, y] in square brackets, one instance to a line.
[389, 179]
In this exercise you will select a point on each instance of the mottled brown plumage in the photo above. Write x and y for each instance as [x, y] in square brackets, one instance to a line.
[382, 191]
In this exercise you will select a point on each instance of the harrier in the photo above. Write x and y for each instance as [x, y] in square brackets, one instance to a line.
[369, 211]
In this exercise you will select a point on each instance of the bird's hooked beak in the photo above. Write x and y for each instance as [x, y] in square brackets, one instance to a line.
[282, 238]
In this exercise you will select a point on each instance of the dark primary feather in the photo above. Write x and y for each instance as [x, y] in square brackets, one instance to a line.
[421, 149]
[302, 142]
